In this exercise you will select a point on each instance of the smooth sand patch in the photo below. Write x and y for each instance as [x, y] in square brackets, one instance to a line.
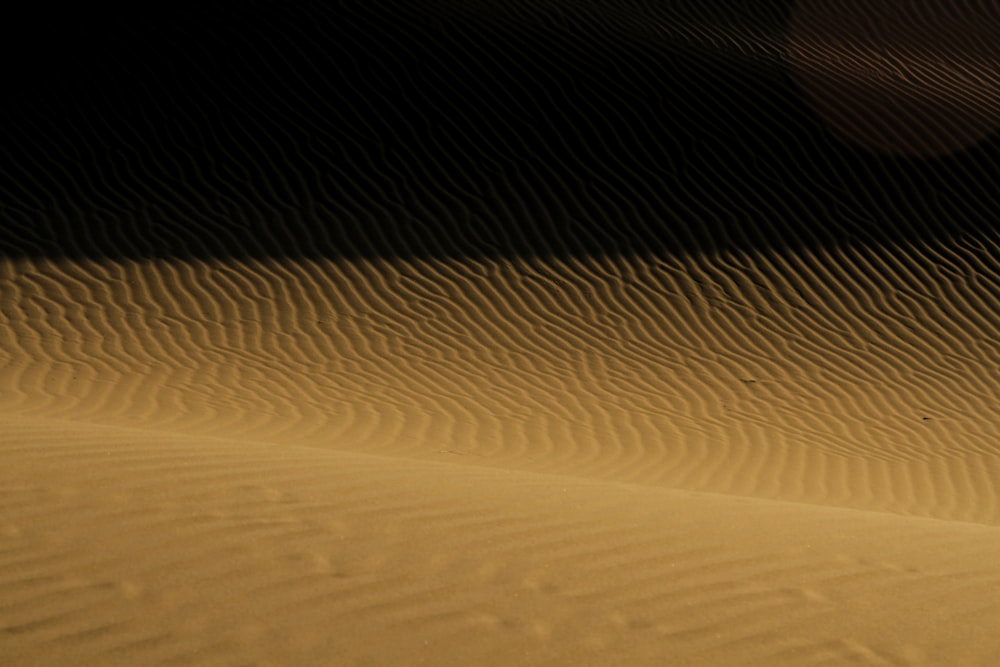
[126, 547]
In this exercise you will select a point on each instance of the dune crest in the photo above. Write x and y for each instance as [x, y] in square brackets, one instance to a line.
[213, 551]
[850, 378]
[549, 332]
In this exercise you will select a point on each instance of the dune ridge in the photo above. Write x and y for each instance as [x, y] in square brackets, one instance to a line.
[209, 551]
[546, 333]
[842, 377]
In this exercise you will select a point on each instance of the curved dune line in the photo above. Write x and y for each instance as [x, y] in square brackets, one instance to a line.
[204, 550]
[842, 377]
[559, 332]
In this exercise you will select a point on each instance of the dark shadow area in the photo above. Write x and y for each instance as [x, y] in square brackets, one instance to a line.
[440, 128]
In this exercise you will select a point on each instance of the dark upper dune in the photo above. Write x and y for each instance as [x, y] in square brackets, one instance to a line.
[442, 128]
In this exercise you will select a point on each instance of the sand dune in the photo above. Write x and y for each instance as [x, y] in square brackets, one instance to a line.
[843, 378]
[143, 548]
[489, 333]
[455, 463]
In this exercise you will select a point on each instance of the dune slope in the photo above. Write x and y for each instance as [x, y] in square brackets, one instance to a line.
[587, 332]
[123, 546]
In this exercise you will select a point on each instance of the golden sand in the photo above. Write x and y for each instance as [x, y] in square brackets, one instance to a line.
[756, 459]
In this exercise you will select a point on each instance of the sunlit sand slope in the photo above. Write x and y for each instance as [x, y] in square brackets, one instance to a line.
[127, 547]
[549, 332]
[857, 378]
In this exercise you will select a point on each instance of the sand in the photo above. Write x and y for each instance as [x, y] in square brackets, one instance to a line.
[544, 406]
[510, 463]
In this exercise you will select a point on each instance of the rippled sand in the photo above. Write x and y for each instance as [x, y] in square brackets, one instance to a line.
[647, 386]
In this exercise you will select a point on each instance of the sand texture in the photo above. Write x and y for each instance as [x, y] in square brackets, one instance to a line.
[440, 333]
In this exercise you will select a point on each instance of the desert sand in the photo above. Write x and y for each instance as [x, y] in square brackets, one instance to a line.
[761, 432]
